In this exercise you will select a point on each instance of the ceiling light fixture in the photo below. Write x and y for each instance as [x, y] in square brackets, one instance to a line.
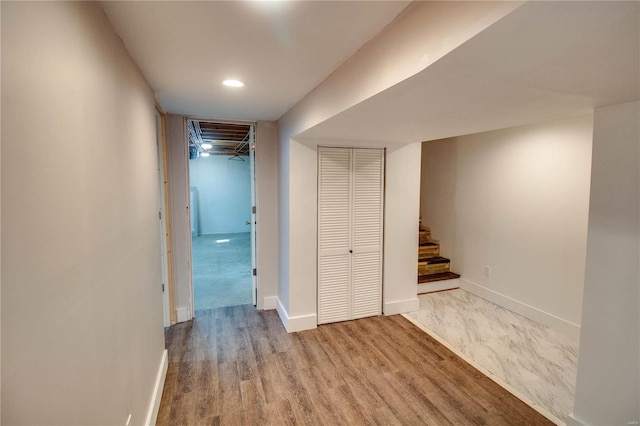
[204, 154]
[206, 146]
[233, 83]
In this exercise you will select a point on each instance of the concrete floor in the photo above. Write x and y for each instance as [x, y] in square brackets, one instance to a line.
[221, 270]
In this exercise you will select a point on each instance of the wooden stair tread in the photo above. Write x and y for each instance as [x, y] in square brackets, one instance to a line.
[437, 277]
[424, 237]
[428, 243]
[428, 250]
[434, 260]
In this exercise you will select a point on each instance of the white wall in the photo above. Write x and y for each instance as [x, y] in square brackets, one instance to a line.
[515, 200]
[82, 336]
[438, 193]
[402, 208]
[267, 212]
[224, 193]
[521, 209]
[284, 143]
[608, 384]
[303, 225]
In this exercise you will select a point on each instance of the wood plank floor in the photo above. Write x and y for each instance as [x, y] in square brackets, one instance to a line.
[238, 366]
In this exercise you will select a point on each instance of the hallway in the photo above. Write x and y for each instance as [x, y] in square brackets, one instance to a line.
[539, 97]
[238, 366]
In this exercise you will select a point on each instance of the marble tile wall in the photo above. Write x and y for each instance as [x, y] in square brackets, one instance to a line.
[536, 361]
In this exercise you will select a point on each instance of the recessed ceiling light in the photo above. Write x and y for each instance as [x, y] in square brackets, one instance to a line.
[204, 154]
[206, 146]
[233, 83]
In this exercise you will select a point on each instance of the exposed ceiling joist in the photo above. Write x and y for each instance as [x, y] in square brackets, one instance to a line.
[224, 138]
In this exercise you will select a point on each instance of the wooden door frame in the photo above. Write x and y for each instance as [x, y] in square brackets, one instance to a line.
[166, 217]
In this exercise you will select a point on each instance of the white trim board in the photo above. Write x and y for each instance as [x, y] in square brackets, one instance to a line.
[298, 323]
[489, 374]
[573, 421]
[182, 314]
[401, 306]
[270, 302]
[563, 326]
[438, 286]
[156, 396]
[226, 232]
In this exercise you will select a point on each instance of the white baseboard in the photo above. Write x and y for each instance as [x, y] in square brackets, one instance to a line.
[182, 314]
[297, 323]
[156, 396]
[563, 326]
[401, 306]
[229, 232]
[573, 421]
[438, 286]
[270, 302]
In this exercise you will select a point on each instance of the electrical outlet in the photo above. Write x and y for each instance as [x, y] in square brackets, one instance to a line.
[487, 271]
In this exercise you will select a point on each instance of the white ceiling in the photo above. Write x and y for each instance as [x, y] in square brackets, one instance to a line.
[281, 49]
[545, 60]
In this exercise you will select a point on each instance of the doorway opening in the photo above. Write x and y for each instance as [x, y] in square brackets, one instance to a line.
[222, 200]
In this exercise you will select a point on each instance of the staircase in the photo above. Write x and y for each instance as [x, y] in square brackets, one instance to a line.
[431, 266]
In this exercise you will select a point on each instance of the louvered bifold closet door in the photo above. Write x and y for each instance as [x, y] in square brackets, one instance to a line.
[350, 202]
[334, 235]
[366, 278]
